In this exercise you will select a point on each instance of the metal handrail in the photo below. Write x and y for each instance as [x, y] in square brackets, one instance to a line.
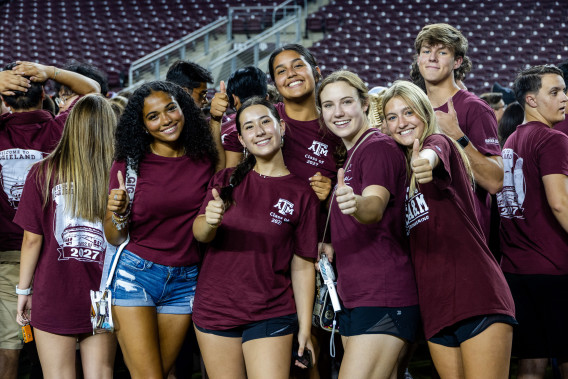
[254, 40]
[182, 41]
[179, 44]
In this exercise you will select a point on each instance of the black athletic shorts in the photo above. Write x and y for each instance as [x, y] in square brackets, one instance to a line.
[273, 327]
[455, 335]
[402, 322]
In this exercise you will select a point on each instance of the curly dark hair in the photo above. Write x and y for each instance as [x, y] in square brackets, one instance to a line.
[132, 141]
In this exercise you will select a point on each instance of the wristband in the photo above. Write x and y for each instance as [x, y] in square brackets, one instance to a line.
[27, 291]
[463, 141]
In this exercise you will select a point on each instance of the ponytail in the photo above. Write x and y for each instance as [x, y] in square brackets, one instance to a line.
[242, 169]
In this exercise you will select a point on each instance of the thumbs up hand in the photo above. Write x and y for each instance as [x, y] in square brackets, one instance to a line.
[215, 210]
[421, 166]
[220, 103]
[344, 195]
[118, 198]
[448, 122]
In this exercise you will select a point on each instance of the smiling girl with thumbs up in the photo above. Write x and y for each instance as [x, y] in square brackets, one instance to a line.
[466, 306]
[165, 139]
[375, 278]
[257, 283]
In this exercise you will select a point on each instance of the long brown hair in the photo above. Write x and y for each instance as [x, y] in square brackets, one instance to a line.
[82, 159]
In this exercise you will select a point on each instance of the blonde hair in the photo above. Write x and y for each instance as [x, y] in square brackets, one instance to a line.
[82, 159]
[416, 99]
[376, 115]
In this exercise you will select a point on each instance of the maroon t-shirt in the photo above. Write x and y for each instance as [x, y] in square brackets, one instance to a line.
[457, 275]
[230, 136]
[308, 148]
[25, 138]
[532, 240]
[245, 276]
[478, 122]
[373, 261]
[562, 126]
[168, 195]
[70, 262]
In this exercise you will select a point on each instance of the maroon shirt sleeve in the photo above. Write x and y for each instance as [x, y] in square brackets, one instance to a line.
[479, 123]
[230, 136]
[477, 120]
[306, 233]
[219, 180]
[28, 215]
[390, 168]
[555, 146]
[116, 166]
[441, 146]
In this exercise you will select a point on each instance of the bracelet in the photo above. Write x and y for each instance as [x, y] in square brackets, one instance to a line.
[120, 217]
[119, 223]
[55, 72]
[26, 292]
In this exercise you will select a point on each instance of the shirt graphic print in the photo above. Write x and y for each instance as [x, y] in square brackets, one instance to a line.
[285, 208]
[319, 150]
[511, 198]
[15, 165]
[416, 210]
[77, 238]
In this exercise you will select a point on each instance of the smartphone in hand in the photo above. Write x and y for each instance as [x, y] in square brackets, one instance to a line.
[305, 359]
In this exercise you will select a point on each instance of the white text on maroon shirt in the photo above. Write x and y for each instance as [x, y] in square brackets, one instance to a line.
[416, 210]
[285, 208]
[319, 149]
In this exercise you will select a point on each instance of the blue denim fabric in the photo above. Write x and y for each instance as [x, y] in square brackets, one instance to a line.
[141, 283]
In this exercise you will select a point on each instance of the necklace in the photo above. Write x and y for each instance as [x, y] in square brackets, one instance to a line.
[277, 175]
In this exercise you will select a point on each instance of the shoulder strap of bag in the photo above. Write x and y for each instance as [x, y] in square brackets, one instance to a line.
[346, 168]
[131, 180]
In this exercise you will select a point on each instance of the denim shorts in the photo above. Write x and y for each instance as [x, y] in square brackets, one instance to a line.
[141, 283]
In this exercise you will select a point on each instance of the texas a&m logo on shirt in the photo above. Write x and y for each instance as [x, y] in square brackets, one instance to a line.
[285, 208]
[319, 150]
[416, 210]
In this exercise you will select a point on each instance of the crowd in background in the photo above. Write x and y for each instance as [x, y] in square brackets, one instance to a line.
[447, 212]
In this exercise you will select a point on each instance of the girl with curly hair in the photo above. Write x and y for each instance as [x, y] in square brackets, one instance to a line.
[258, 280]
[164, 138]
